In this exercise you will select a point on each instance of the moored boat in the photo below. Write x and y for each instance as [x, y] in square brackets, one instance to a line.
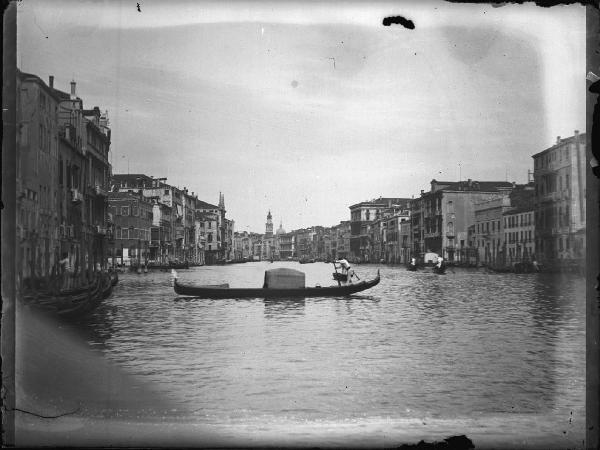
[172, 265]
[79, 302]
[273, 289]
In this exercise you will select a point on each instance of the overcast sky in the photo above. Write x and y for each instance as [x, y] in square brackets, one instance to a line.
[307, 108]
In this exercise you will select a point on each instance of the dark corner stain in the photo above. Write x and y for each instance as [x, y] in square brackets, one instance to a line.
[139, 8]
[452, 443]
[542, 3]
[406, 23]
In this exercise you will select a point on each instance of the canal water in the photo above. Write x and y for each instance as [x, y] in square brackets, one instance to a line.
[497, 357]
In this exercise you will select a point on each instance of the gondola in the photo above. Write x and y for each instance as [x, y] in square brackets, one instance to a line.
[220, 292]
[411, 267]
[70, 308]
[73, 305]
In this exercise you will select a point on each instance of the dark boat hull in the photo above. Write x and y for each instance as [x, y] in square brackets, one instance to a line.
[73, 306]
[221, 293]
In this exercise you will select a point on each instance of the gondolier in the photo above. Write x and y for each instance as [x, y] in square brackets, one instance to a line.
[346, 269]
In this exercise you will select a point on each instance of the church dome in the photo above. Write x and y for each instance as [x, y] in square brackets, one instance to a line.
[280, 230]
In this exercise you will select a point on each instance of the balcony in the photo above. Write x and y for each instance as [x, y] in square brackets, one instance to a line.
[100, 191]
[99, 229]
[76, 195]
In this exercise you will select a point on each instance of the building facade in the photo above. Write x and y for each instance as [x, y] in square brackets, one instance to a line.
[559, 209]
[441, 217]
[133, 221]
[62, 177]
[362, 216]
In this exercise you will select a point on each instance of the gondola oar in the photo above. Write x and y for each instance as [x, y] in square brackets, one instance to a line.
[336, 272]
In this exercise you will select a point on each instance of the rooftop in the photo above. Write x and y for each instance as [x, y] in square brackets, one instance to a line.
[577, 136]
[469, 185]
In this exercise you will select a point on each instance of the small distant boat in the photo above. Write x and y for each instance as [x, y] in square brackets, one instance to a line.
[306, 261]
[439, 270]
[411, 267]
[221, 291]
[172, 265]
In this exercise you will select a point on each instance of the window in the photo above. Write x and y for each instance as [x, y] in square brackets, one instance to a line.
[125, 210]
[135, 211]
[166, 192]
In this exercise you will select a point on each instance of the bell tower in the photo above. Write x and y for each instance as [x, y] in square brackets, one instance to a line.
[269, 225]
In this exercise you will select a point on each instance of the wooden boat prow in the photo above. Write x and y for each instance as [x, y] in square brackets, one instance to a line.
[219, 292]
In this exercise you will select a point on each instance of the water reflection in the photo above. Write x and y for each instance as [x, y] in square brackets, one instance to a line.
[276, 308]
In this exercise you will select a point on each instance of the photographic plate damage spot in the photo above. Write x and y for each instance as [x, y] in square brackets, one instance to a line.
[406, 23]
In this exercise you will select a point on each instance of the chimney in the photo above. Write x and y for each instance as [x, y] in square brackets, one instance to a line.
[558, 139]
[469, 182]
[73, 95]
[51, 81]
